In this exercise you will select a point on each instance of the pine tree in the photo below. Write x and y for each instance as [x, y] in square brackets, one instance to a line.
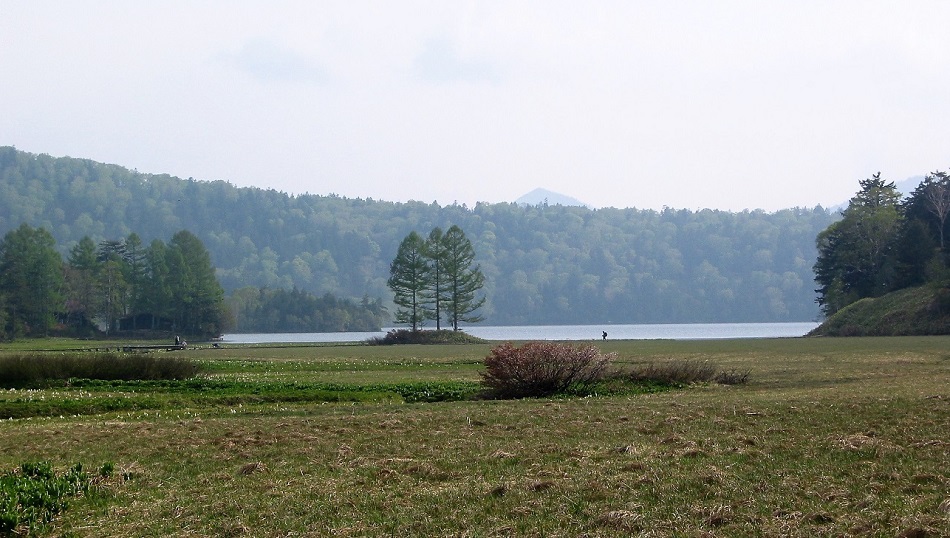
[82, 287]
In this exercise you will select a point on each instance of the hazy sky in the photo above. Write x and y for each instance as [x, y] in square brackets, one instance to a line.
[687, 104]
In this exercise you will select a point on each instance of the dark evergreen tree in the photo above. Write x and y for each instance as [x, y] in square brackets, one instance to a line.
[409, 281]
[915, 252]
[463, 279]
[31, 281]
[113, 289]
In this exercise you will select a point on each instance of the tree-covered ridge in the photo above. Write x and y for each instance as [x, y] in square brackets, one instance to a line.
[542, 264]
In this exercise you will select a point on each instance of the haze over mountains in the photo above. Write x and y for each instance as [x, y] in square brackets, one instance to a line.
[544, 263]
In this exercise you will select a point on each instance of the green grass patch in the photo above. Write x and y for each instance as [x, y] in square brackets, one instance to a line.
[923, 310]
[92, 397]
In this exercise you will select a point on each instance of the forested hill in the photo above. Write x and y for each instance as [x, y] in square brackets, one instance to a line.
[543, 264]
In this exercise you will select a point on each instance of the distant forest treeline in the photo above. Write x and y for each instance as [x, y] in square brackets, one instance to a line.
[542, 264]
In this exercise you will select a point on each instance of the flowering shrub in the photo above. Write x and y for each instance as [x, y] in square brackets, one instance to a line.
[542, 369]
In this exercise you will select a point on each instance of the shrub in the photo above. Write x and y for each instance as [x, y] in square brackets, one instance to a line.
[542, 369]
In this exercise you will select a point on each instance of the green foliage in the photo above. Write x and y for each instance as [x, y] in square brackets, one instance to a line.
[162, 287]
[197, 297]
[35, 369]
[436, 251]
[35, 494]
[855, 254]
[436, 276]
[542, 369]
[544, 264]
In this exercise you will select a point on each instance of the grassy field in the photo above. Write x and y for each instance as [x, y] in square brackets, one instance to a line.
[830, 437]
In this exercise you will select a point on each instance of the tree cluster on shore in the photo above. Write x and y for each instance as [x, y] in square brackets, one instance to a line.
[112, 286]
[884, 243]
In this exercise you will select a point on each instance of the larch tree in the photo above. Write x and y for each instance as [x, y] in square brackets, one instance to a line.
[409, 280]
[463, 279]
[435, 250]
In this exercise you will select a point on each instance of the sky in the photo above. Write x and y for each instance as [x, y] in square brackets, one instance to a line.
[728, 105]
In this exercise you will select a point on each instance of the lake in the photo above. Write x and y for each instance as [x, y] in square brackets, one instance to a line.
[671, 331]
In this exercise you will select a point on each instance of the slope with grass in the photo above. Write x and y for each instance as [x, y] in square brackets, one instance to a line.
[923, 310]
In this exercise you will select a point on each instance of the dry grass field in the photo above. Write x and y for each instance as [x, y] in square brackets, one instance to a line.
[830, 437]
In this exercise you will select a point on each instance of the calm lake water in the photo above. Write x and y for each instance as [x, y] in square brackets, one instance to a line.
[685, 331]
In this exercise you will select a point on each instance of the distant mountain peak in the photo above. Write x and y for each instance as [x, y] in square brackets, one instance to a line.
[543, 196]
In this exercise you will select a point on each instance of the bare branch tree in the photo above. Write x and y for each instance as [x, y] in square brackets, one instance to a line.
[938, 199]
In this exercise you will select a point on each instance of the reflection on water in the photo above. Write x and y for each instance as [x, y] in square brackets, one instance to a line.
[677, 331]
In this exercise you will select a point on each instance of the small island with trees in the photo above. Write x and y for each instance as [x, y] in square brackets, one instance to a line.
[434, 278]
